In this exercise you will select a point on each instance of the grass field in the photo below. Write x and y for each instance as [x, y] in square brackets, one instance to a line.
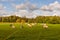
[26, 33]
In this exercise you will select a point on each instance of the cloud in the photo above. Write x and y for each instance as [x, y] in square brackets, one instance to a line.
[25, 9]
[21, 6]
[46, 10]
[3, 11]
[33, 14]
[23, 13]
[1, 7]
[20, 10]
[51, 7]
[25, 6]
[31, 11]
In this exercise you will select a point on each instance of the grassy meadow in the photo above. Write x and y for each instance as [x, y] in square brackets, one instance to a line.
[26, 33]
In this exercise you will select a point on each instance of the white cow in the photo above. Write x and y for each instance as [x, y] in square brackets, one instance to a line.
[13, 26]
[30, 25]
[33, 24]
[45, 26]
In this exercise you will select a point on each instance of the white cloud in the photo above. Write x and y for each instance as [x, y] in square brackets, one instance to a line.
[25, 6]
[3, 11]
[1, 7]
[23, 13]
[24, 10]
[53, 9]
[52, 6]
[21, 6]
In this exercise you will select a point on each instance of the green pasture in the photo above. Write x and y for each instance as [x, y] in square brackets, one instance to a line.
[26, 33]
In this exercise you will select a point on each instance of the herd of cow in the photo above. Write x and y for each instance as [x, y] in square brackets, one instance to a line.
[44, 25]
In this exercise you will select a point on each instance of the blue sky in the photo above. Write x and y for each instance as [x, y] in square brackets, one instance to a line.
[15, 6]
[39, 3]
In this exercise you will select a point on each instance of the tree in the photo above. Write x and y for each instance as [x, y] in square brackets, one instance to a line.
[18, 20]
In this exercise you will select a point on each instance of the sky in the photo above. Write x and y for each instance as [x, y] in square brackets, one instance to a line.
[30, 8]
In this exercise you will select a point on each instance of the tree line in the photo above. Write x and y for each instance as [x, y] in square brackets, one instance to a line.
[38, 19]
